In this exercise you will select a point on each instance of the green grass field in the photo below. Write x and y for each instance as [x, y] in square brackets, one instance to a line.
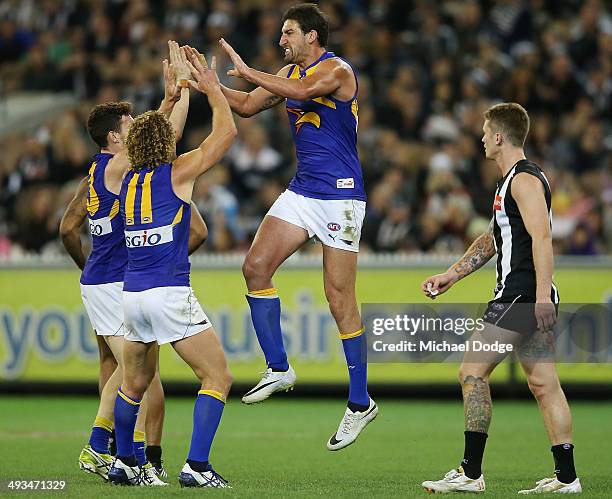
[277, 449]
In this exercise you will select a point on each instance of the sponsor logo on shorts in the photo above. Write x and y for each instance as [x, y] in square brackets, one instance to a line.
[333, 226]
[100, 226]
[149, 237]
[347, 242]
[345, 183]
[333, 238]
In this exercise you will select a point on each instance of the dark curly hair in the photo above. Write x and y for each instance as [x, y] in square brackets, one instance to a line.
[106, 118]
[310, 18]
[150, 141]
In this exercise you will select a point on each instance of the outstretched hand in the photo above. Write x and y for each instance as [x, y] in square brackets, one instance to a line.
[178, 60]
[240, 68]
[206, 79]
[172, 91]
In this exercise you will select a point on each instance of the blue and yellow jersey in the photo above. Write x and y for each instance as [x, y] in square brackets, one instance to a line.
[156, 230]
[325, 133]
[108, 257]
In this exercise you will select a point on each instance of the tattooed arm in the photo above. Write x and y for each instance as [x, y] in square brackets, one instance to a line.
[479, 253]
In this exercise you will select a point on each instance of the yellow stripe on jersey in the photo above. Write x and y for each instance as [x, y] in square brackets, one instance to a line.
[355, 108]
[114, 210]
[326, 102]
[213, 393]
[146, 210]
[295, 72]
[178, 217]
[93, 203]
[130, 200]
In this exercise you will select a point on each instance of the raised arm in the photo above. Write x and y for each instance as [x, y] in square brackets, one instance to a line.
[479, 253]
[178, 62]
[171, 89]
[187, 167]
[528, 192]
[331, 76]
[70, 226]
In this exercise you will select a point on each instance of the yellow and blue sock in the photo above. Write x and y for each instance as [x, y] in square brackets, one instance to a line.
[126, 412]
[101, 434]
[139, 448]
[266, 316]
[354, 345]
[206, 417]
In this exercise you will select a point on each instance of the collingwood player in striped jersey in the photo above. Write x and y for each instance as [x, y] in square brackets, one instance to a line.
[523, 310]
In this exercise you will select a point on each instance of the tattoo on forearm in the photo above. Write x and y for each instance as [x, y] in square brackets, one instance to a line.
[272, 101]
[479, 253]
[477, 404]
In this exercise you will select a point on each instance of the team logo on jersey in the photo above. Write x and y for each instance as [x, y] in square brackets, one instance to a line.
[149, 237]
[497, 204]
[303, 118]
[333, 226]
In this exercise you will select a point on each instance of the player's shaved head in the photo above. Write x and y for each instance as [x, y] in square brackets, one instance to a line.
[310, 18]
[150, 141]
[105, 118]
[511, 120]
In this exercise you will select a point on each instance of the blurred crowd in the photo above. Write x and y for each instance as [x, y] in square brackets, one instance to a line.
[427, 71]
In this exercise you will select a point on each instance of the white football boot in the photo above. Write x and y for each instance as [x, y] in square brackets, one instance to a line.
[351, 426]
[149, 476]
[552, 485]
[208, 478]
[122, 474]
[455, 481]
[271, 381]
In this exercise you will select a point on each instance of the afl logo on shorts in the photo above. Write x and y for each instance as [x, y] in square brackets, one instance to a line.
[333, 226]
[497, 203]
[149, 237]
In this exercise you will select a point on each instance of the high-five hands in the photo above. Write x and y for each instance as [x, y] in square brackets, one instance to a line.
[206, 79]
[178, 60]
[240, 68]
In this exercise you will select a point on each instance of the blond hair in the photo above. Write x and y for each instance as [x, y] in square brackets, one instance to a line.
[150, 141]
[511, 120]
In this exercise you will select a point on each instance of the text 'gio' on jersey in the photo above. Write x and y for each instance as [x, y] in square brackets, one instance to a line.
[325, 133]
[108, 257]
[515, 269]
[156, 230]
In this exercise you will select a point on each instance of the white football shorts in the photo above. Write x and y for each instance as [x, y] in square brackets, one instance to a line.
[104, 306]
[335, 222]
[163, 315]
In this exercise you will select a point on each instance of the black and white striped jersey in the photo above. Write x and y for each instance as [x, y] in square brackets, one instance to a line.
[515, 270]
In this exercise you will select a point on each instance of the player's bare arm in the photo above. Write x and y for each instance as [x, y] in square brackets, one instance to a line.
[72, 221]
[479, 253]
[178, 62]
[198, 232]
[192, 164]
[333, 77]
[246, 104]
[528, 193]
